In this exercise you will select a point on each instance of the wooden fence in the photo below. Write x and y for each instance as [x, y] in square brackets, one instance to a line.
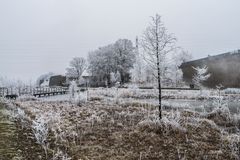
[37, 92]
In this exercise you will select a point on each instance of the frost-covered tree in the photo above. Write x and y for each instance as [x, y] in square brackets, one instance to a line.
[174, 72]
[138, 72]
[115, 77]
[174, 75]
[101, 64]
[114, 58]
[4, 82]
[77, 67]
[125, 57]
[112, 78]
[157, 43]
[43, 78]
[182, 56]
[73, 89]
[200, 76]
[142, 73]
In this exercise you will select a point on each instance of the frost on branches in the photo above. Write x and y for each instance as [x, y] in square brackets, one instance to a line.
[201, 75]
[73, 89]
[77, 67]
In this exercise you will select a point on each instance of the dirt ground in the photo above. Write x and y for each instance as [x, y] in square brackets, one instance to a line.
[97, 130]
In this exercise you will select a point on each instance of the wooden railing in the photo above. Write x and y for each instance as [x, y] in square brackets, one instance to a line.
[37, 92]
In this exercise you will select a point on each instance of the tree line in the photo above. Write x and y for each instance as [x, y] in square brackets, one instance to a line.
[156, 60]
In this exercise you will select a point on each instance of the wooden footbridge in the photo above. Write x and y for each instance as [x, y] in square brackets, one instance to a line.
[13, 93]
[38, 92]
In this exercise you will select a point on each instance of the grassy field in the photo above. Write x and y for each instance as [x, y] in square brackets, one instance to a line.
[114, 124]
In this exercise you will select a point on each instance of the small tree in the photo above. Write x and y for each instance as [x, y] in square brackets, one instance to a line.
[201, 75]
[112, 78]
[72, 89]
[138, 72]
[174, 72]
[77, 67]
[124, 58]
[157, 43]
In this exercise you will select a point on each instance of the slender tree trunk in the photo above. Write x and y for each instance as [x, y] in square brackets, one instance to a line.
[159, 89]
[158, 70]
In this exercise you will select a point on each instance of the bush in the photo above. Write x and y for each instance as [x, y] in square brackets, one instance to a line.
[221, 116]
[168, 124]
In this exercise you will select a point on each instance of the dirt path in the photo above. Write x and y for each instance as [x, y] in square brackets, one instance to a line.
[15, 143]
[8, 137]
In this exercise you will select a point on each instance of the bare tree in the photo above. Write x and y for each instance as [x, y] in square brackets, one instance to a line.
[77, 67]
[157, 43]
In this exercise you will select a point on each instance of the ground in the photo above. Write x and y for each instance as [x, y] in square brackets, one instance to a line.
[124, 124]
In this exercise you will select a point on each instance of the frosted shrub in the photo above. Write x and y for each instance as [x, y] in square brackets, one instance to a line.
[116, 98]
[80, 99]
[73, 89]
[55, 125]
[236, 120]
[219, 102]
[203, 121]
[21, 116]
[40, 130]
[234, 144]
[134, 88]
[60, 155]
[221, 116]
[175, 115]
[204, 94]
[172, 124]
[94, 118]
[50, 122]
[20, 113]
[201, 75]
[112, 78]
[166, 124]
[223, 112]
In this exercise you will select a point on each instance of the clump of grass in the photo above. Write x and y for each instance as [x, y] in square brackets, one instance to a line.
[137, 104]
[60, 155]
[41, 131]
[129, 130]
[169, 123]
[221, 116]
[95, 99]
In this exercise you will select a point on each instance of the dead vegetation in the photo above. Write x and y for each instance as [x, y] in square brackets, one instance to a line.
[99, 130]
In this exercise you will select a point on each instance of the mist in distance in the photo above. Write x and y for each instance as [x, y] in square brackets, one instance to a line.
[37, 37]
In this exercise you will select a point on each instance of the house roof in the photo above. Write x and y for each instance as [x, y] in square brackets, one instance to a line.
[86, 74]
[215, 57]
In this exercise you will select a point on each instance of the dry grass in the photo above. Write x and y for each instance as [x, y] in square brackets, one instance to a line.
[97, 130]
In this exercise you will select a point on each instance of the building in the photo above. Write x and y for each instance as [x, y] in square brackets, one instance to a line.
[44, 82]
[57, 80]
[85, 79]
[224, 69]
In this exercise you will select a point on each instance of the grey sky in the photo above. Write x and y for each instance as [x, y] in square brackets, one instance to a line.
[39, 36]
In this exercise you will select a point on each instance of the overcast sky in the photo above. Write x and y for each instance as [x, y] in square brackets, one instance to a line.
[39, 36]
